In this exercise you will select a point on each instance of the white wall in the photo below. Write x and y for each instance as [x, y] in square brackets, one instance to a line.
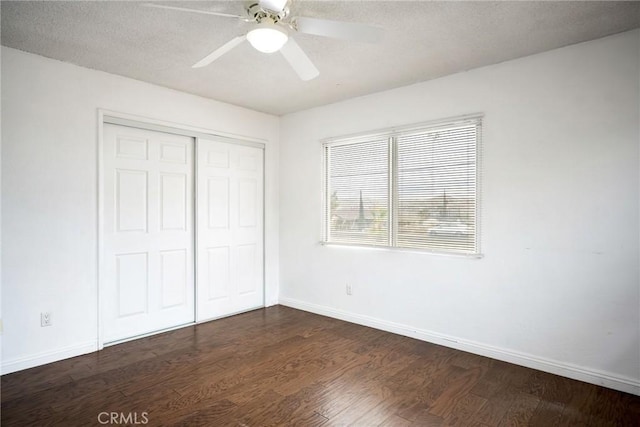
[558, 287]
[49, 193]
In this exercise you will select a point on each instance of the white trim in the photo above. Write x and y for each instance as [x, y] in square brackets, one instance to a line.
[402, 249]
[366, 136]
[49, 356]
[141, 122]
[326, 198]
[592, 376]
[100, 242]
[149, 334]
[479, 175]
[196, 254]
[264, 227]
[235, 313]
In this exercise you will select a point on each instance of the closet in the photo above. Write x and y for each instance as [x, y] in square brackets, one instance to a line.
[182, 229]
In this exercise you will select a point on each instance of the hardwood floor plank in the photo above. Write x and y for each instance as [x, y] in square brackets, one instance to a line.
[289, 370]
[549, 387]
[204, 415]
[521, 410]
[487, 387]
[395, 421]
[414, 375]
[40, 415]
[426, 419]
[260, 412]
[307, 399]
[432, 386]
[547, 414]
[377, 415]
[630, 412]
[350, 414]
[496, 407]
[465, 410]
[469, 361]
[454, 392]
[59, 397]
[33, 380]
[577, 411]
[338, 396]
[606, 408]
[85, 411]
[329, 366]
[285, 367]
[151, 400]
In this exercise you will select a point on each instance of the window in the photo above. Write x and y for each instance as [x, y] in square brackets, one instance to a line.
[409, 188]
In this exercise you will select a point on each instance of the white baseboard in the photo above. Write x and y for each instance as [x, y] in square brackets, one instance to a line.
[9, 366]
[605, 379]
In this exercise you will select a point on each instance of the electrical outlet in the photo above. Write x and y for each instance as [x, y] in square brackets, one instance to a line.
[349, 289]
[45, 319]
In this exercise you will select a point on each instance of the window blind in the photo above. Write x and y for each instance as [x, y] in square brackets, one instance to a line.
[414, 188]
[436, 189]
[358, 192]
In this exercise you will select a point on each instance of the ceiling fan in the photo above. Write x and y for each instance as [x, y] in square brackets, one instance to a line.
[272, 27]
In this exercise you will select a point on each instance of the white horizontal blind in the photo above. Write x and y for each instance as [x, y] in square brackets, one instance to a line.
[412, 188]
[357, 193]
[436, 189]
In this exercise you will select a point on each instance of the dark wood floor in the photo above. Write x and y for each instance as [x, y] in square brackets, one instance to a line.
[282, 367]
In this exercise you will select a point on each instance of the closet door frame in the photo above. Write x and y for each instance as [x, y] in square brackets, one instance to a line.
[131, 120]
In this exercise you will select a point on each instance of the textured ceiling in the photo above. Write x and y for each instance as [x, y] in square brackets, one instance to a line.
[423, 40]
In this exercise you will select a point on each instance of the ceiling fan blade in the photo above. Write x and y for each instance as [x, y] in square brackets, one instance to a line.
[339, 30]
[273, 5]
[184, 9]
[219, 52]
[299, 60]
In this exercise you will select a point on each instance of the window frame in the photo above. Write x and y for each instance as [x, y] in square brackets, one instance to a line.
[391, 134]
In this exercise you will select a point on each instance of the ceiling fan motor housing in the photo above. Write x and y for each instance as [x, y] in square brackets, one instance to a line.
[259, 14]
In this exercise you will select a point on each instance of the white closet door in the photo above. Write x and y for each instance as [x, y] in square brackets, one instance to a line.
[148, 232]
[230, 229]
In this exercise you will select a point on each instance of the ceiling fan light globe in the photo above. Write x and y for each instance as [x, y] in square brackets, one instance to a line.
[267, 38]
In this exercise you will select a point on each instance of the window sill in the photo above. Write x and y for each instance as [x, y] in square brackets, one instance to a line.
[397, 249]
